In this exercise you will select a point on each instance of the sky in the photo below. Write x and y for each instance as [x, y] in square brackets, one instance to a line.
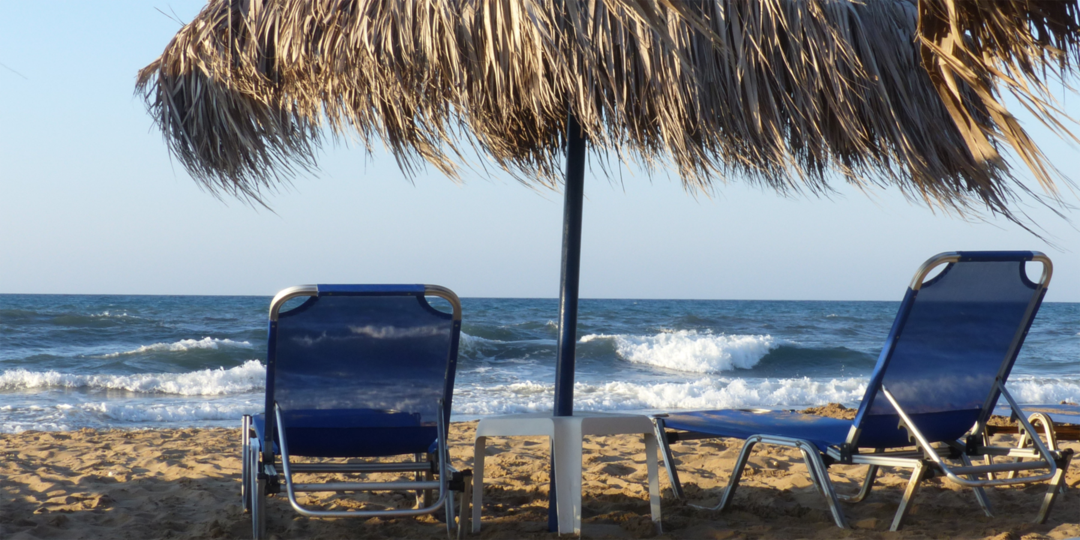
[92, 203]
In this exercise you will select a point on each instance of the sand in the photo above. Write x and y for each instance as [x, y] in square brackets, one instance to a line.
[185, 483]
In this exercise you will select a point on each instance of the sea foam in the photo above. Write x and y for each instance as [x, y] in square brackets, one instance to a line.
[129, 413]
[249, 377]
[173, 413]
[1029, 389]
[708, 392]
[704, 393]
[689, 350]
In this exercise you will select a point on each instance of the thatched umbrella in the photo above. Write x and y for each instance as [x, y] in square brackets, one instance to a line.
[789, 94]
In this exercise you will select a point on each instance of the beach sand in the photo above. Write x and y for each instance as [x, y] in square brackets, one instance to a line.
[185, 483]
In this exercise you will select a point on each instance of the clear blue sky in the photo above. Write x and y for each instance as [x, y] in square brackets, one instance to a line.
[90, 202]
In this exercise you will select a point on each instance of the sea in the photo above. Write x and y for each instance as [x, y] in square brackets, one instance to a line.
[147, 362]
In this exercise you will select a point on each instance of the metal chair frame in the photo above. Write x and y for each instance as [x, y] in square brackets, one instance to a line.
[925, 460]
[264, 472]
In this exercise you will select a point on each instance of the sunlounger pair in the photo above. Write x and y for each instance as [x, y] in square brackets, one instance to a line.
[368, 372]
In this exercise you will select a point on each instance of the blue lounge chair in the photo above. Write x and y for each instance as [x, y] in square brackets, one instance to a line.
[1059, 421]
[937, 381]
[356, 371]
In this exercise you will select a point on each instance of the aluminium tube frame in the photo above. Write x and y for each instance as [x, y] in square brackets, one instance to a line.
[955, 256]
[932, 454]
[442, 483]
[313, 290]
[816, 467]
[669, 457]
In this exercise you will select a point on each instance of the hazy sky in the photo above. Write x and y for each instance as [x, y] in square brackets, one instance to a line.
[90, 202]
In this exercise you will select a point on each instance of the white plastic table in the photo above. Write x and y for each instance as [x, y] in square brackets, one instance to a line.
[566, 434]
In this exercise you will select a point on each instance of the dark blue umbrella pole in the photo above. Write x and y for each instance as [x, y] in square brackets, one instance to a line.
[568, 287]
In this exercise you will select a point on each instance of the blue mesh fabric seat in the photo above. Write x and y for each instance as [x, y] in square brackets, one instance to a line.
[355, 371]
[939, 376]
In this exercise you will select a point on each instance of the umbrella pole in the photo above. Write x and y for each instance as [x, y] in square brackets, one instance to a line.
[568, 289]
[571, 266]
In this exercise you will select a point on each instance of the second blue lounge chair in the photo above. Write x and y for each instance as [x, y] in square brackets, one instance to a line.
[936, 383]
[356, 371]
[1058, 420]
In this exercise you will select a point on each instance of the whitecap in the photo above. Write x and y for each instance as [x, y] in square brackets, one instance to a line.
[185, 345]
[689, 350]
[1039, 390]
[250, 376]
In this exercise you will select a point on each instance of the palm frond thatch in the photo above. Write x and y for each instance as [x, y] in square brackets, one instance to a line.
[784, 93]
[1017, 45]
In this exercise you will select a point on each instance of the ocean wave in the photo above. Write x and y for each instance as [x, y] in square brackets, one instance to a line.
[711, 393]
[185, 345]
[706, 393]
[468, 341]
[691, 351]
[249, 377]
[472, 346]
[128, 414]
[173, 413]
[1039, 390]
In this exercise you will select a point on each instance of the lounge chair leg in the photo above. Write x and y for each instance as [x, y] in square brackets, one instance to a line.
[425, 496]
[1056, 483]
[478, 482]
[1051, 443]
[465, 512]
[819, 474]
[428, 476]
[1048, 429]
[736, 474]
[917, 476]
[811, 469]
[1025, 438]
[258, 502]
[245, 462]
[867, 485]
[980, 493]
[987, 458]
[669, 458]
[654, 481]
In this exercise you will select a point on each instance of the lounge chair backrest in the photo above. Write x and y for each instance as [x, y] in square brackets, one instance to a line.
[370, 356]
[954, 335]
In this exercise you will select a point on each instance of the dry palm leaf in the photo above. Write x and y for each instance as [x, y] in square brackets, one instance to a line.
[784, 93]
[979, 46]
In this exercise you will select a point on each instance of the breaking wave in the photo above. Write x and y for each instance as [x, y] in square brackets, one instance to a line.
[249, 377]
[690, 350]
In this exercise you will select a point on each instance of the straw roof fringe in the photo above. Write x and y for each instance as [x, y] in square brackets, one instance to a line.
[1018, 45]
[783, 93]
